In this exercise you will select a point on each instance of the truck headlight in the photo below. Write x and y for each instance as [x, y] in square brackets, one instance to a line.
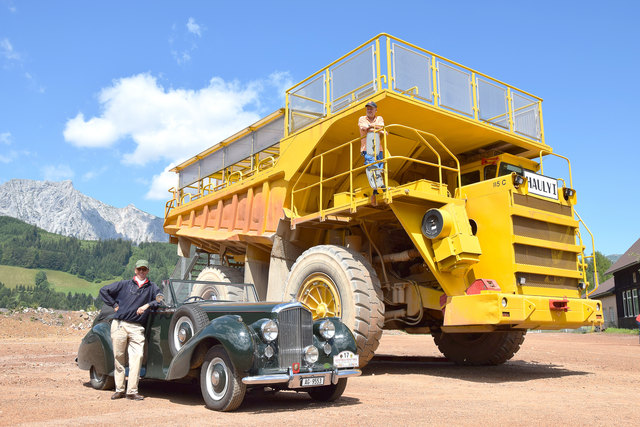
[311, 354]
[269, 330]
[436, 224]
[327, 329]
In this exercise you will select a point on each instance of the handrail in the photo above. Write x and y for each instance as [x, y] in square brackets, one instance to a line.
[593, 255]
[388, 76]
[557, 155]
[420, 137]
[179, 198]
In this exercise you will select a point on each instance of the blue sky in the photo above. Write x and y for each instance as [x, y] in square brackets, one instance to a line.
[111, 94]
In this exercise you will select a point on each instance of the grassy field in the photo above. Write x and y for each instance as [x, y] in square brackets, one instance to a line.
[62, 282]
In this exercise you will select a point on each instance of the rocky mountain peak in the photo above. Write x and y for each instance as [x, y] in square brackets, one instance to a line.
[59, 208]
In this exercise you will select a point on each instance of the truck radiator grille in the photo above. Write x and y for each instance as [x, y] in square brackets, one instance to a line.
[295, 327]
[542, 281]
[528, 227]
[545, 257]
[543, 205]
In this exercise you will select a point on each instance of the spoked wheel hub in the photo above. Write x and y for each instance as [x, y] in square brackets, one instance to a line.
[321, 295]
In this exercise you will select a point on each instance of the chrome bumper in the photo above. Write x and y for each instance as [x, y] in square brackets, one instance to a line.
[294, 380]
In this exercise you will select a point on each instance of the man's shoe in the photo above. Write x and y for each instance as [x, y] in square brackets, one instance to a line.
[135, 396]
[117, 395]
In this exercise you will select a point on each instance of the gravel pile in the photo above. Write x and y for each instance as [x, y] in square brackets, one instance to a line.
[42, 321]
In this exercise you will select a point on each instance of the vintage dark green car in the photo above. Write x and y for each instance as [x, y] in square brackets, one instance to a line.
[221, 334]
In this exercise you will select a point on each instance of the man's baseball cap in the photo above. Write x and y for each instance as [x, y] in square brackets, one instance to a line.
[142, 263]
[371, 104]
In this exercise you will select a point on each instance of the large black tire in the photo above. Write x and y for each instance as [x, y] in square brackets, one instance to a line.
[336, 281]
[219, 273]
[187, 321]
[328, 393]
[481, 348]
[100, 381]
[220, 384]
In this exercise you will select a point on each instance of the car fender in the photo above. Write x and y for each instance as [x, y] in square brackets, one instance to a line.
[96, 349]
[344, 339]
[231, 332]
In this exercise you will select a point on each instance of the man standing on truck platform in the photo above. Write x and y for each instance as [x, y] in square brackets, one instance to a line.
[131, 300]
[373, 124]
[370, 123]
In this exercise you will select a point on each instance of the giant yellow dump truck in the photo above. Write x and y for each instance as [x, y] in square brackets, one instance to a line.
[455, 232]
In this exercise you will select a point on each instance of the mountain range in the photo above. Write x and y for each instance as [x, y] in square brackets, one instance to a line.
[59, 208]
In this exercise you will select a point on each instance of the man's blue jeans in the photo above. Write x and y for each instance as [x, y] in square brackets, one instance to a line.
[368, 158]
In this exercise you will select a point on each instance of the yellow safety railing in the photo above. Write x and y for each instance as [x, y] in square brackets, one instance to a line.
[546, 152]
[323, 182]
[228, 177]
[585, 257]
[317, 90]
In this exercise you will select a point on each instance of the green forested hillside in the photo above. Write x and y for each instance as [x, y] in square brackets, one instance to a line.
[98, 262]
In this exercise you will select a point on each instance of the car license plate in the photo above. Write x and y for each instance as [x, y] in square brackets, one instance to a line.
[346, 359]
[312, 381]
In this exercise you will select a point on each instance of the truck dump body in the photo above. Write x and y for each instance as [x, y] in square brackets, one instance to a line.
[464, 236]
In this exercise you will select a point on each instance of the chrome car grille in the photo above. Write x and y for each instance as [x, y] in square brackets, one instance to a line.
[295, 327]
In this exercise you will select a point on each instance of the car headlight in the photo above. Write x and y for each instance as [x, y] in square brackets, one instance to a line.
[269, 330]
[311, 354]
[327, 329]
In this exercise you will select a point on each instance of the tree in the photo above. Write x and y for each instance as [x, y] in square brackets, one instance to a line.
[41, 279]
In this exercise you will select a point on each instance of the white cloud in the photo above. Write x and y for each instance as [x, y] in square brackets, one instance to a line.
[152, 123]
[160, 184]
[193, 28]
[8, 157]
[7, 51]
[281, 81]
[96, 132]
[57, 172]
[163, 124]
[93, 173]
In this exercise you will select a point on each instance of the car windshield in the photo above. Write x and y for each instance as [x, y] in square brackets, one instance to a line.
[177, 292]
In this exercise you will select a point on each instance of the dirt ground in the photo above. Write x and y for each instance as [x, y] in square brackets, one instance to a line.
[569, 379]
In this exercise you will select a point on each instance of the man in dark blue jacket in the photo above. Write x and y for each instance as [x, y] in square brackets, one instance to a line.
[131, 300]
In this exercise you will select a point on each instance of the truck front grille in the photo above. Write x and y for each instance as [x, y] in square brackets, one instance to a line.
[560, 264]
[295, 326]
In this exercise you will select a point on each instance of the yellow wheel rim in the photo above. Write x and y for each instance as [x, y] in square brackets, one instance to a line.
[320, 294]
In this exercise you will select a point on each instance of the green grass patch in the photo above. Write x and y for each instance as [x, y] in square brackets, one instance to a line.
[621, 331]
[61, 281]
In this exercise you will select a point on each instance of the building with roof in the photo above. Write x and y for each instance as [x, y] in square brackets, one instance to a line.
[626, 277]
[606, 293]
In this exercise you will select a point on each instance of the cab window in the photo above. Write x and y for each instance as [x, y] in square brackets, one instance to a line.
[490, 171]
[507, 168]
[470, 177]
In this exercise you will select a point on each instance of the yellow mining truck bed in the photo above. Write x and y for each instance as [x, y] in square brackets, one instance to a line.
[466, 239]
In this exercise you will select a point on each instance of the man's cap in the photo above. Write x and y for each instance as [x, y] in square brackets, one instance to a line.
[142, 263]
[371, 104]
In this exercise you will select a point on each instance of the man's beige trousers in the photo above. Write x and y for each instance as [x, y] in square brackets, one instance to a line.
[123, 333]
